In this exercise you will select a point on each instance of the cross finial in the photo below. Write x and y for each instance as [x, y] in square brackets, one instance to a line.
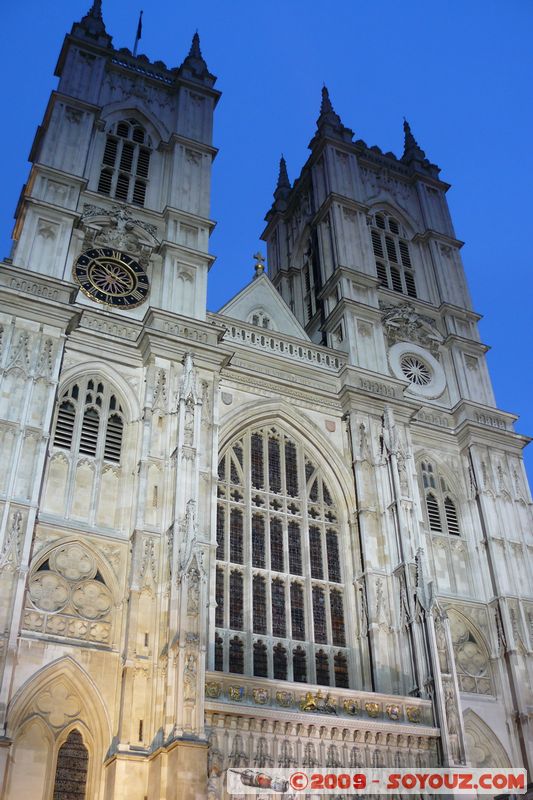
[259, 264]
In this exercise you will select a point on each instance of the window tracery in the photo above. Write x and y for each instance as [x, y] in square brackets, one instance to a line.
[278, 522]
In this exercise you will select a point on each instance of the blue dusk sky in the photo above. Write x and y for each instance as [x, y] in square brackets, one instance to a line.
[460, 71]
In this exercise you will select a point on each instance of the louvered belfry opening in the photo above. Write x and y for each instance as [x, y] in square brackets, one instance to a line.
[126, 163]
[391, 251]
[90, 421]
[279, 586]
[440, 507]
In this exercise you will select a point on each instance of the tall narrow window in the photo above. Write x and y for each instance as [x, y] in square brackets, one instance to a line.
[219, 653]
[258, 541]
[219, 613]
[126, 163]
[280, 662]
[260, 660]
[433, 510]
[66, 418]
[297, 611]
[341, 671]
[451, 516]
[71, 769]
[391, 251]
[322, 668]
[236, 656]
[259, 603]
[279, 626]
[236, 601]
[299, 665]
[283, 538]
[235, 536]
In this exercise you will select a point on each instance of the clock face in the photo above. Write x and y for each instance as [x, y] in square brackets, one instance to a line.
[111, 277]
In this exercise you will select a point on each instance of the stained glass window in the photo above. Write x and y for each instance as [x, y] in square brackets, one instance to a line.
[71, 769]
[337, 618]
[235, 536]
[274, 466]
[258, 478]
[332, 547]
[319, 615]
[297, 611]
[322, 668]
[235, 600]
[299, 665]
[315, 550]
[260, 660]
[280, 662]
[291, 469]
[278, 521]
[341, 671]
[219, 653]
[259, 602]
[276, 545]
[220, 533]
[258, 540]
[236, 655]
[278, 608]
[295, 549]
[219, 612]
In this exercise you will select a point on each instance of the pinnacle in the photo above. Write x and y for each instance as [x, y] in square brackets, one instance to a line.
[283, 177]
[195, 51]
[326, 106]
[412, 150]
[95, 10]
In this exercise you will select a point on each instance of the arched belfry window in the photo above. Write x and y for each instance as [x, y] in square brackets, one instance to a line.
[126, 162]
[441, 509]
[393, 258]
[279, 576]
[71, 769]
[90, 421]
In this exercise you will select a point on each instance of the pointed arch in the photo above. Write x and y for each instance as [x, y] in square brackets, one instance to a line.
[99, 369]
[483, 748]
[283, 518]
[57, 699]
[295, 423]
[123, 109]
[386, 207]
[472, 655]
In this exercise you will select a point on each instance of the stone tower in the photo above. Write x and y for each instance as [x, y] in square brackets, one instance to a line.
[218, 529]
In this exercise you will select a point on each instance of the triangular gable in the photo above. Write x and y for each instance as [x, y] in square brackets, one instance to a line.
[260, 296]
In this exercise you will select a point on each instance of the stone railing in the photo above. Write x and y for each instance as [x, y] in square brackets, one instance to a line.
[279, 345]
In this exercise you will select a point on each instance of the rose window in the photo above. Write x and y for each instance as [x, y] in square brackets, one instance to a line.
[415, 370]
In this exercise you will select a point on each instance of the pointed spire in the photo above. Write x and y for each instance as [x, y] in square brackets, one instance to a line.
[412, 152]
[95, 10]
[283, 186]
[325, 106]
[329, 123]
[195, 51]
[194, 64]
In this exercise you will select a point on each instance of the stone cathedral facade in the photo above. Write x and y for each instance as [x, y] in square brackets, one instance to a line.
[293, 532]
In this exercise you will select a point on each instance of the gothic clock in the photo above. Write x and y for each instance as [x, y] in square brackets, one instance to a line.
[111, 277]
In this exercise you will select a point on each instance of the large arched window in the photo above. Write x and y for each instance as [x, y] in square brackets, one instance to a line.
[391, 251]
[126, 162]
[279, 590]
[90, 421]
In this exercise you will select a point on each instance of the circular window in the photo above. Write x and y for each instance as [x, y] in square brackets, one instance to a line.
[415, 370]
[423, 371]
